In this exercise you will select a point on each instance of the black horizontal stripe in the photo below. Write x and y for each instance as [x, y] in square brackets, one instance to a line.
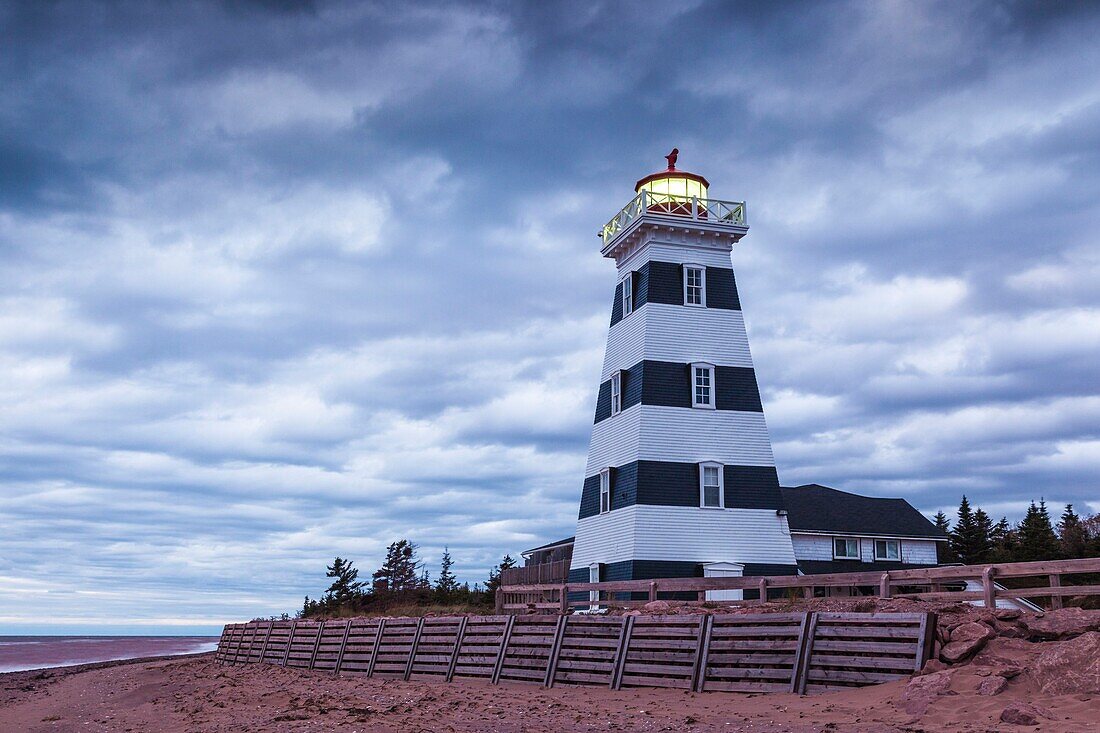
[663, 282]
[668, 384]
[668, 483]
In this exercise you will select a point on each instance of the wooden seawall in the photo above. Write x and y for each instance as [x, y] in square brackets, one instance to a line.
[774, 652]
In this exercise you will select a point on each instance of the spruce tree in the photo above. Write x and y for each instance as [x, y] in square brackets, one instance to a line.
[1003, 539]
[493, 583]
[983, 545]
[943, 549]
[446, 586]
[346, 585]
[399, 571]
[965, 541]
[1037, 538]
[1072, 535]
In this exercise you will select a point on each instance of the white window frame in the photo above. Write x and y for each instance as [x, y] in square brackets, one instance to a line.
[616, 392]
[886, 556]
[846, 540]
[702, 285]
[594, 577]
[721, 485]
[605, 491]
[710, 405]
[628, 294]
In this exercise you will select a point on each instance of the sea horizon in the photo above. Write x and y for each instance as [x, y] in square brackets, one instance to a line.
[22, 652]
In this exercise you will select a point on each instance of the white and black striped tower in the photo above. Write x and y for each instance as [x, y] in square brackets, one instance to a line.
[680, 480]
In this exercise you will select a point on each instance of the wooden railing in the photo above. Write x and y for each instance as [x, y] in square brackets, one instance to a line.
[1048, 582]
[547, 572]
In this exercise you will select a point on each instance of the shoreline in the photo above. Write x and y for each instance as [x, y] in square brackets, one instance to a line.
[67, 669]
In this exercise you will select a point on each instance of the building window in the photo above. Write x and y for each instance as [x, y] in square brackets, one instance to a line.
[594, 577]
[605, 491]
[616, 393]
[695, 285]
[711, 485]
[628, 294]
[845, 548]
[702, 385]
[887, 550]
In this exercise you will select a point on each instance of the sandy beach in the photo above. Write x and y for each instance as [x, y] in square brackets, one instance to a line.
[197, 694]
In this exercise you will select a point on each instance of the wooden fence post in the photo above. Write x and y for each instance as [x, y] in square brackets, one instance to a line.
[505, 636]
[808, 592]
[698, 670]
[289, 641]
[1055, 582]
[884, 585]
[499, 598]
[807, 654]
[620, 653]
[926, 638]
[316, 644]
[564, 609]
[343, 646]
[763, 590]
[653, 590]
[458, 645]
[413, 646]
[801, 653]
[267, 638]
[990, 592]
[374, 648]
[555, 652]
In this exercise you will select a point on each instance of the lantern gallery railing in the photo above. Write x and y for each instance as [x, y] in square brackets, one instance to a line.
[731, 213]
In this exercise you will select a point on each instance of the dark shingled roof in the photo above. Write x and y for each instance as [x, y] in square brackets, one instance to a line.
[816, 508]
[566, 541]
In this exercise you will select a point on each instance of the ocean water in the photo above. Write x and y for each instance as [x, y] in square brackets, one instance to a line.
[18, 653]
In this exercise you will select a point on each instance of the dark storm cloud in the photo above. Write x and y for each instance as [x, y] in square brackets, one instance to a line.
[285, 280]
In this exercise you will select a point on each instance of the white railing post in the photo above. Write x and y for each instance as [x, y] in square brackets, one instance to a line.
[694, 207]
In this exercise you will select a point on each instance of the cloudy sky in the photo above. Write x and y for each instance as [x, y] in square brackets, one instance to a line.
[277, 285]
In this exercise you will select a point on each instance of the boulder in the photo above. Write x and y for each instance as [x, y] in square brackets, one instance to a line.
[966, 640]
[1070, 667]
[922, 691]
[994, 685]
[1024, 713]
[932, 666]
[657, 606]
[1063, 623]
[1007, 614]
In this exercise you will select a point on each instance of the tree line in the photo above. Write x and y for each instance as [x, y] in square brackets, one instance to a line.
[401, 580]
[975, 539]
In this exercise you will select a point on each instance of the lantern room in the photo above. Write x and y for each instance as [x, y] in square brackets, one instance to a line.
[672, 183]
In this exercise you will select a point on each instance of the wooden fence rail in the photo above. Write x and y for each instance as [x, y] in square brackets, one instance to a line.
[1048, 581]
[780, 652]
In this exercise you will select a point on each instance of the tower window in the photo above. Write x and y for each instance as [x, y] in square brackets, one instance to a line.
[605, 491]
[887, 550]
[711, 485]
[628, 294]
[702, 385]
[616, 393]
[695, 285]
[845, 548]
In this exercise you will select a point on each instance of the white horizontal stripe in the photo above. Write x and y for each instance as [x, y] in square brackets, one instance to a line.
[708, 254]
[679, 434]
[686, 534]
[677, 333]
[818, 547]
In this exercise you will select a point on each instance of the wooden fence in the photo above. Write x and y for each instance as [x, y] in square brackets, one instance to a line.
[547, 572]
[1047, 582]
[784, 652]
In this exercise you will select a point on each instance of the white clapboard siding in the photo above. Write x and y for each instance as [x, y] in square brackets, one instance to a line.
[687, 534]
[675, 333]
[820, 547]
[707, 254]
[681, 435]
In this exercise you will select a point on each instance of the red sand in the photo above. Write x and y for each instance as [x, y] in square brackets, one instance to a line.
[197, 694]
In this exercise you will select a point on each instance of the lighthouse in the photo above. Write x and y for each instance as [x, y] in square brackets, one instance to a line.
[680, 479]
